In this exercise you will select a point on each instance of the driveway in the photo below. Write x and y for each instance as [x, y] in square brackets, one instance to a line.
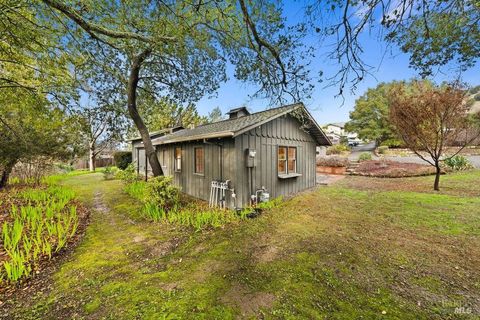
[475, 160]
[358, 150]
[370, 147]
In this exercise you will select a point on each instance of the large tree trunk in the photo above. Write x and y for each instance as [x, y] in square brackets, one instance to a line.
[91, 158]
[436, 184]
[6, 173]
[137, 119]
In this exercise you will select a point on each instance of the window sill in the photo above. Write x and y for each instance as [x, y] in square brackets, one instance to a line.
[199, 174]
[289, 175]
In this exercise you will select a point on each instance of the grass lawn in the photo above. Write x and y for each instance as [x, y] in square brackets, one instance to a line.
[364, 248]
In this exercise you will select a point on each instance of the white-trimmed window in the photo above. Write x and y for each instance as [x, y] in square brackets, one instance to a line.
[287, 160]
[178, 159]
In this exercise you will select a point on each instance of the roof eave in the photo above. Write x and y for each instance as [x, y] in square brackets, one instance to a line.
[329, 143]
[221, 134]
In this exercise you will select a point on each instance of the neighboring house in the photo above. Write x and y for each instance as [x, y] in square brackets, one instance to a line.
[335, 132]
[272, 150]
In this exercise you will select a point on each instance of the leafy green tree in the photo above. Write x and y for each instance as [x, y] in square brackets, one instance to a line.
[370, 117]
[32, 127]
[36, 83]
[101, 127]
[215, 115]
[180, 49]
[30, 58]
[165, 113]
[429, 118]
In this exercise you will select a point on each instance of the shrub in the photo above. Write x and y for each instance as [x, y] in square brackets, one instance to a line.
[33, 170]
[392, 143]
[122, 159]
[332, 161]
[136, 189]
[65, 168]
[161, 192]
[382, 149]
[109, 172]
[458, 163]
[154, 212]
[274, 203]
[344, 140]
[337, 149]
[365, 156]
[128, 175]
[475, 90]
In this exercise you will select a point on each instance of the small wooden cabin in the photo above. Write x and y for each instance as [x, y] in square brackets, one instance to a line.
[271, 152]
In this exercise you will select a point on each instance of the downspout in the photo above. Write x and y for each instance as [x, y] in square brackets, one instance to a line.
[221, 161]
[138, 162]
[146, 166]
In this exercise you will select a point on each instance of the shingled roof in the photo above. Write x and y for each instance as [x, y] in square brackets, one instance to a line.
[237, 126]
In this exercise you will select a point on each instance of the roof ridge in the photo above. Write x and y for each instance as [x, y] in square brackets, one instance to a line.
[249, 115]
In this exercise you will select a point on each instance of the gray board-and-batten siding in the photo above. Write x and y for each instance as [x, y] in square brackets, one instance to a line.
[225, 160]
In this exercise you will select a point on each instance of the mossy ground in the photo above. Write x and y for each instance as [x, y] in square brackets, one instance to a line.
[339, 252]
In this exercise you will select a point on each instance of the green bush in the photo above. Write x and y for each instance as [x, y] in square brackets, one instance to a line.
[128, 175]
[332, 161]
[136, 190]
[193, 216]
[109, 172]
[161, 192]
[458, 163]
[65, 168]
[382, 149]
[392, 143]
[122, 159]
[475, 90]
[337, 149]
[364, 156]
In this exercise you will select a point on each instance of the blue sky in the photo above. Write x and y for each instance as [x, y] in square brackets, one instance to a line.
[324, 106]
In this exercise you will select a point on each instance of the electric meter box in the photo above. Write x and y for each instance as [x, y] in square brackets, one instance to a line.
[251, 158]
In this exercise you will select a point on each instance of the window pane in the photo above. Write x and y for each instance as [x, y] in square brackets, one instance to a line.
[199, 160]
[282, 166]
[292, 166]
[292, 160]
[292, 153]
[282, 153]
